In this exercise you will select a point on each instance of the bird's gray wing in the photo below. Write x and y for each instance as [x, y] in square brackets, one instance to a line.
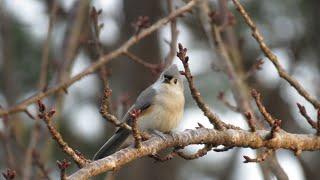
[143, 102]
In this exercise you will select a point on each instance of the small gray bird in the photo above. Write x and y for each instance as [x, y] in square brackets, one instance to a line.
[161, 107]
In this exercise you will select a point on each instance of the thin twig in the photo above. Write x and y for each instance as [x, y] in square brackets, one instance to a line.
[46, 116]
[214, 119]
[304, 113]
[263, 156]
[273, 58]
[109, 117]
[104, 74]
[254, 68]
[34, 138]
[250, 121]
[214, 33]
[102, 60]
[40, 165]
[134, 114]
[267, 116]
[141, 61]
[227, 103]
[201, 152]
[71, 42]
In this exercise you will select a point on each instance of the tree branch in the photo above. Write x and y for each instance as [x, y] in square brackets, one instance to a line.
[102, 60]
[230, 137]
[273, 58]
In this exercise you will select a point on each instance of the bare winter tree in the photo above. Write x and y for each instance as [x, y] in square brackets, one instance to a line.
[26, 153]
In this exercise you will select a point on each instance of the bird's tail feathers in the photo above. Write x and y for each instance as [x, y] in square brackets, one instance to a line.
[112, 144]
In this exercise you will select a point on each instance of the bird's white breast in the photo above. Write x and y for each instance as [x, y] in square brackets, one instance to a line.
[166, 110]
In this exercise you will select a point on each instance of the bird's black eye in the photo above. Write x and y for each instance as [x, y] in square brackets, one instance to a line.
[168, 77]
[175, 81]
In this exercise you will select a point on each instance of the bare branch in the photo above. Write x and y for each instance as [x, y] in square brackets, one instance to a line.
[273, 58]
[262, 109]
[250, 121]
[36, 159]
[227, 103]
[137, 59]
[214, 32]
[46, 116]
[214, 119]
[174, 36]
[106, 114]
[201, 152]
[254, 68]
[46, 47]
[304, 113]
[102, 60]
[134, 114]
[230, 137]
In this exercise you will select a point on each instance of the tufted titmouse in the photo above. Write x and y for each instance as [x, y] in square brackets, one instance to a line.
[161, 107]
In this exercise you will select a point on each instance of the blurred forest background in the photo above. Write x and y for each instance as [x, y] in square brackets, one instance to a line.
[290, 27]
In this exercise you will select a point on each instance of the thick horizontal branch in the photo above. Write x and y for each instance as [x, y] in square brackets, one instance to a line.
[102, 60]
[230, 137]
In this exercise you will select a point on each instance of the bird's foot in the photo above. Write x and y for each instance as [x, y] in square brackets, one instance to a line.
[158, 133]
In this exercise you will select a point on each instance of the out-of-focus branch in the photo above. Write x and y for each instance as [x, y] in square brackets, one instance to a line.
[76, 22]
[27, 165]
[214, 34]
[221, 97]
[36, 160]
[273, 58]
[230, 137]
[102, 60]
[45, 52]
[229, 55]
[42, 86]
[174, 37]
[141, 61]
[254, 68]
